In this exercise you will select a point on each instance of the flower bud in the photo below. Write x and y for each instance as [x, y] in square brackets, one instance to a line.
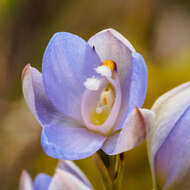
[169, 140]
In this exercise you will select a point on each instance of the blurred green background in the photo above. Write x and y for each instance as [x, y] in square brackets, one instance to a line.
[160, 30]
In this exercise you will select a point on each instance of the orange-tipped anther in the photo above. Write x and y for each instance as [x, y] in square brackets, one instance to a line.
[110, 64]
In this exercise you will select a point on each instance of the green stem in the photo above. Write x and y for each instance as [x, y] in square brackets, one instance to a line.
[103, 171]
[118, 172]
[113, 177]
[111, 169]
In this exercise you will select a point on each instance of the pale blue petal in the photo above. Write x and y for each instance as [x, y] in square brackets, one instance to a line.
[42, 182]
[68, 142]
[67, 63]
[72, 168]
[134, 88]
[110, 44]
[168, 108]
[35, 96]
[25, 181]
[63, 180]
[132, 134]
[172, 163]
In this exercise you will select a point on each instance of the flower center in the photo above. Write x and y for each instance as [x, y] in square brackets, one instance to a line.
[101, 112]
[106, 70]
[101, 100]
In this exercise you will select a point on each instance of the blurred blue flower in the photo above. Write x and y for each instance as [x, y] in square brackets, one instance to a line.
[169, 140]
[88, 95]
[68, 176]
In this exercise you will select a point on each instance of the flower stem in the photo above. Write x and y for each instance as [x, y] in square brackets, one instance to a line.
[112, 177]
[103, 171]
[118, 172]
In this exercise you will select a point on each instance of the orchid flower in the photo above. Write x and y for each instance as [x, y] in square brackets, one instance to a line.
[67, 177]
[169, 140]
[89, 95]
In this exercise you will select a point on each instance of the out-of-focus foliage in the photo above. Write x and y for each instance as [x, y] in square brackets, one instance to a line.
[158, 29]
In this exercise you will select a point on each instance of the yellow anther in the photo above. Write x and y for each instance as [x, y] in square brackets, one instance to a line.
[107, 97]
[101, 112]
[110, 64]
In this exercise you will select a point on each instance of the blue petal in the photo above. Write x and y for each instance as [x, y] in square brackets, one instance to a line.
[110, 44]
[42, 182]
[25, 181]
[63, 180]
[72, 168]
[168, 109]
[69, 142]
[172, 161]
[68, 61]
[35, 96]
[134, 88]
[132, 134]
